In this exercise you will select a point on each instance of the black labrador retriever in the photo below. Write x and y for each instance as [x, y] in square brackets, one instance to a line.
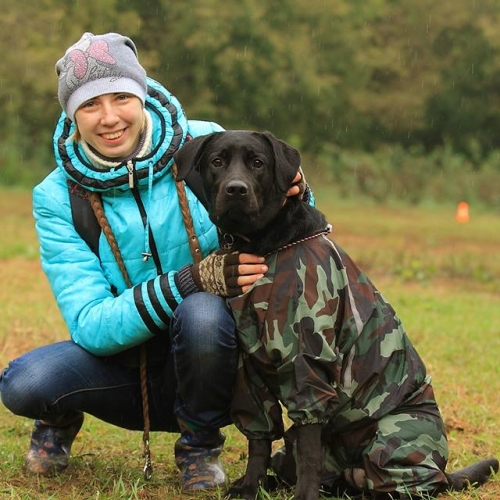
[317, 338]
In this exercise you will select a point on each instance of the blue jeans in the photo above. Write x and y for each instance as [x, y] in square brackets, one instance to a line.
[193, 380]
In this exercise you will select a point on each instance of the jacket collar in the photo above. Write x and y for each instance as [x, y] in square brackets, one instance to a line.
[169, 124]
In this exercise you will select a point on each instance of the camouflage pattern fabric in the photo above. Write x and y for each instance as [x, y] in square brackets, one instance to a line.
[318, 338]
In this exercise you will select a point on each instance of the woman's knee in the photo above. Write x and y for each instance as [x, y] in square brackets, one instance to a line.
[23, 382]
[31, 382]
[205, 318]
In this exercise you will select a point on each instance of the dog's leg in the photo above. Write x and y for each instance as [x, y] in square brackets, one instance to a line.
[247, 487]
[309, 462]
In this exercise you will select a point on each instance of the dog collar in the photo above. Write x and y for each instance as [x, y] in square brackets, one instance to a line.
[229, 239]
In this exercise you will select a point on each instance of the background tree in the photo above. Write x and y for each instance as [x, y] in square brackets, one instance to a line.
[355, 84]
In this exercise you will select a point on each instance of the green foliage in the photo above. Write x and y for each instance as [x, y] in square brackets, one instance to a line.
[384, 81]
[411, 175]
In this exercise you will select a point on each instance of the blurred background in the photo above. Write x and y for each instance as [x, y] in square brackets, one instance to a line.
[385, 99]
[395, 107]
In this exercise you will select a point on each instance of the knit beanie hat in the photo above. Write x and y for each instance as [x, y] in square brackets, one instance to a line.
[97, 65]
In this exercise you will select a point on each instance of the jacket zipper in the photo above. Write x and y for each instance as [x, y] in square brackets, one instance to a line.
[130, 170]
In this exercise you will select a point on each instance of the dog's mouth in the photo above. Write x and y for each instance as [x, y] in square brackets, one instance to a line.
[236, 214]
[236, 220]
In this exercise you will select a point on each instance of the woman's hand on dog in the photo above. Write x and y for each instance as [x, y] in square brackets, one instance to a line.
[250, 269]
[228, 274]
[299, 184]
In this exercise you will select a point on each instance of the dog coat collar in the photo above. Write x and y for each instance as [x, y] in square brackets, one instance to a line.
[327, 230]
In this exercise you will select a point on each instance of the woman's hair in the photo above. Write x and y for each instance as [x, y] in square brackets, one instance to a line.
[76, 134]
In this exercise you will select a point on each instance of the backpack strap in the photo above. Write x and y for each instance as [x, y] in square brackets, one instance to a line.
[84, 220]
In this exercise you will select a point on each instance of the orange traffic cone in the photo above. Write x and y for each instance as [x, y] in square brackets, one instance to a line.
[462, 212]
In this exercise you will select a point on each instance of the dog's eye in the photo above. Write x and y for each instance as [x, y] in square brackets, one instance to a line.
[257, 163]
[217, 162]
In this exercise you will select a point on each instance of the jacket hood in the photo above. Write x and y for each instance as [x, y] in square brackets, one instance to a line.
[170, 127]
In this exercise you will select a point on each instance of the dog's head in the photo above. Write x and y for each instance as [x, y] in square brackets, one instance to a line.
[245, 176]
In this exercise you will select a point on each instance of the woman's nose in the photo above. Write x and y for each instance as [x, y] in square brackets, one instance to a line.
[109, 114]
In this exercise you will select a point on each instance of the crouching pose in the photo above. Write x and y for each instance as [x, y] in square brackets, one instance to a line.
[150, 349]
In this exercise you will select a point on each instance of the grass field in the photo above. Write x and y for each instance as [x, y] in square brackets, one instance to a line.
[441, 276]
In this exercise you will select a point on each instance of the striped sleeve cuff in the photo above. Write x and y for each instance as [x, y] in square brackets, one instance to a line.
[156, 299]
[154, 310]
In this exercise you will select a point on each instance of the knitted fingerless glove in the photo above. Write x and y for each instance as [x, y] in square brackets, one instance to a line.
[217, 274]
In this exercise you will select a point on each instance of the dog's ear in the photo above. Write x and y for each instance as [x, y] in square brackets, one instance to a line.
[188, 157]
[286, 161]
[188, 160]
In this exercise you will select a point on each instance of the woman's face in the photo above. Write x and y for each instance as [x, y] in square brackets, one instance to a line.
[111, 123]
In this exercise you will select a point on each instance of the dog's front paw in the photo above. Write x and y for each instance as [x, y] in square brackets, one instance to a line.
[244, 489]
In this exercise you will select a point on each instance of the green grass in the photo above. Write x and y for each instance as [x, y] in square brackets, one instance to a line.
[442, 277]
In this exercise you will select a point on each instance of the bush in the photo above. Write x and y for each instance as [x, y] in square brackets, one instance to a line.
[411, 176]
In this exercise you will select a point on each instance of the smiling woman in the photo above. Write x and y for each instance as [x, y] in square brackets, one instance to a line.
[102, 88]
[137, 326]
[112, 124]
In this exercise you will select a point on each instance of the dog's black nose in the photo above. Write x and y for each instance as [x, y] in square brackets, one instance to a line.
[236, 188]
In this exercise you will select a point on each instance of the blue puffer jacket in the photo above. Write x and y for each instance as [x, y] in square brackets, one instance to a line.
[102, 314]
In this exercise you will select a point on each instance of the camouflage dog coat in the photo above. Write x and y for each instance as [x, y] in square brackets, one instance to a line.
[318, 338]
